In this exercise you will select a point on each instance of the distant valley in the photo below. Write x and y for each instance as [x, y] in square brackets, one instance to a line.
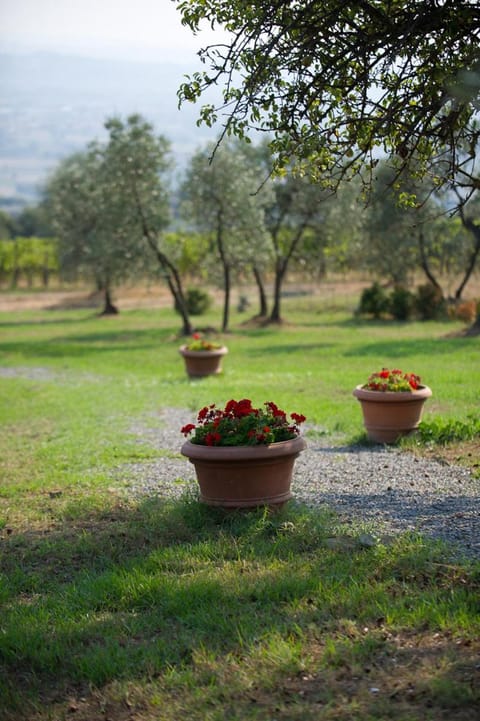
[54, 105]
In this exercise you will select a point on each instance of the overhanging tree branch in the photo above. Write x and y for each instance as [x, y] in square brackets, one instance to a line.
[334, 80]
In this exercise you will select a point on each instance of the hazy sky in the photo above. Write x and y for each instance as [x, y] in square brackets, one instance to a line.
[133, 29]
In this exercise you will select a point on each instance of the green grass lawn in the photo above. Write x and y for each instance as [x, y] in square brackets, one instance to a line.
[119, 609]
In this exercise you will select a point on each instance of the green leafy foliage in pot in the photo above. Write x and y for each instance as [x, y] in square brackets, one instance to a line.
[199, 343]
[239, 424]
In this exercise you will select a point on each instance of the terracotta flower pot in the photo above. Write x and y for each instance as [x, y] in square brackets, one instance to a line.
[200, 363]
[389, 415]
[244, 476]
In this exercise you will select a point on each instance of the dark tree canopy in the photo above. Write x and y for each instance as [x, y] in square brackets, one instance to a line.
[338, 84]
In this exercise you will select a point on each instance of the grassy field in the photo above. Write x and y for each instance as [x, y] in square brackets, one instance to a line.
[119, 609]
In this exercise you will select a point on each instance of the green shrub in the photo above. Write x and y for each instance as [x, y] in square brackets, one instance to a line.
[198, 301]
[402, 303]
[374, 301]
[430, 303]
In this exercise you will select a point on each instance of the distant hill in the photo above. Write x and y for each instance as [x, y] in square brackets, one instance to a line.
[53, 105]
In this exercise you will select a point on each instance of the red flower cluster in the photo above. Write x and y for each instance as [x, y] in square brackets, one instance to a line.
[240, 424]
[238, 409]
[393, 380]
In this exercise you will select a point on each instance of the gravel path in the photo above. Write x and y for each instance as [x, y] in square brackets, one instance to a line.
[396, 490]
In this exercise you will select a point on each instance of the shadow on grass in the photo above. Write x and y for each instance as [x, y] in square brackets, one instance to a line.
[12, 324]
[406, 348]
[133, 592]
[77, 345]
[287, 348]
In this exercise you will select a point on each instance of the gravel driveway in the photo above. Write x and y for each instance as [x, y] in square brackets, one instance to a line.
[396, 490]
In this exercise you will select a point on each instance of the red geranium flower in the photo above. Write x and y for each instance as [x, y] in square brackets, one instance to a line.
[202, 413]
[240, 424]
[187, 429]
[243, 408]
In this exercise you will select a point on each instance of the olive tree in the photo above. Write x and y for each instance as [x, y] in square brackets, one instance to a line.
[390, 243]
[137, 162]
[297, 208]
[296, 211]
[110, 208]
[470, 215]
[221, 196]
[90, 241]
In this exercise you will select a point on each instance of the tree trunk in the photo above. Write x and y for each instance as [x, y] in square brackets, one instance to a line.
[281, 266]
[109, 307]
[475, 230]
[474, 329]
[424, 264]
[476, 325]
[176, 289]
[262, 296]
[226, 297]
[172, 275]
[173, 280]
[174, 283]
[275, 316]
[226, 271]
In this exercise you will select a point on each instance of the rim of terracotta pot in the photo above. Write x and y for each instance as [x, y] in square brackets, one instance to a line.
[365, 394]
[222, 453]
[223, 350]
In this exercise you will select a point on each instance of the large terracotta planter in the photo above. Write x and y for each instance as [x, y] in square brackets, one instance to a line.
[388, 415]
[200, 363]
[244, 476]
